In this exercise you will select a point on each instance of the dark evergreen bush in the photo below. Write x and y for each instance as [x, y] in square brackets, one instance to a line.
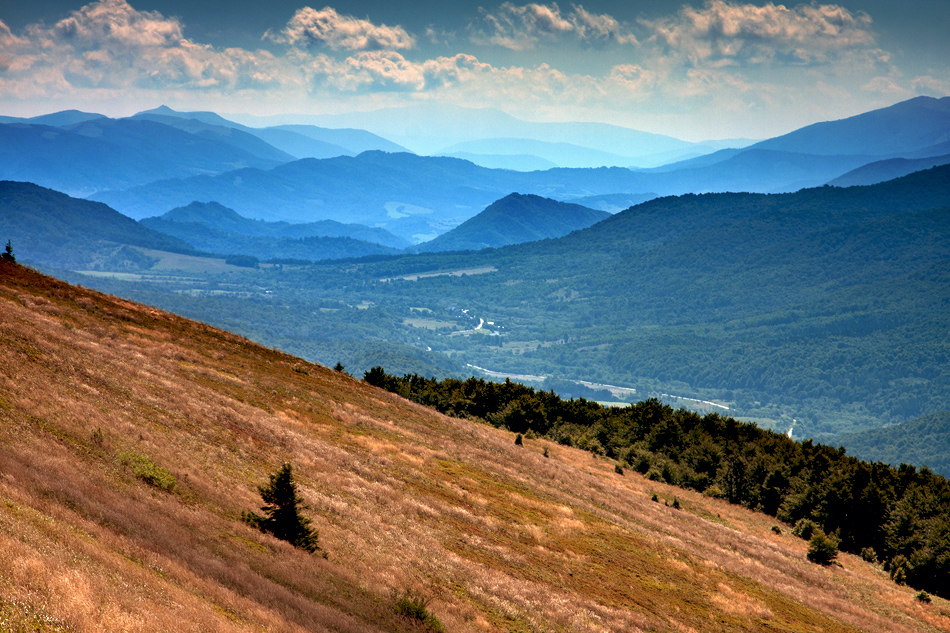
[282, 512]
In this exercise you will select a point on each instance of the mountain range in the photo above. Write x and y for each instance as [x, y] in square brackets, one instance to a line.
[418, 197]
[212, 228]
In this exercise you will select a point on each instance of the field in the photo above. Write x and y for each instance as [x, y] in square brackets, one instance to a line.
[501, 537]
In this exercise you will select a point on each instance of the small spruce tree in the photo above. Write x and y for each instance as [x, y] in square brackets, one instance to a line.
[8, 252]
[282, 512]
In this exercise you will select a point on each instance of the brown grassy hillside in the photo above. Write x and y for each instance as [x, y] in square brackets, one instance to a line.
[499, 536]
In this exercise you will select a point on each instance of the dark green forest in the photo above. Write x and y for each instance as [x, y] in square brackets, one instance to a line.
[899, 516]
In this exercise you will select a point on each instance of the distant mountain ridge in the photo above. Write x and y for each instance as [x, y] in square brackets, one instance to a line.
[54, 229]
[300, 141]
[218, 217]
[903, 127]
[515, 219]
[101, 153]
[889, 169]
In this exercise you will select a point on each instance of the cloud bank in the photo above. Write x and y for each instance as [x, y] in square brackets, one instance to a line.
[723, 59]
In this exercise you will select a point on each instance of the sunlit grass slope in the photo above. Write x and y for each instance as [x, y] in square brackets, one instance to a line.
[131, 441]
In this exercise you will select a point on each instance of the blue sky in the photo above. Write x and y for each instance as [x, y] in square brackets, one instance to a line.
[695, 70]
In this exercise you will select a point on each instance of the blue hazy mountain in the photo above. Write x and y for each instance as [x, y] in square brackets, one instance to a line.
[300, 141]
[888, 169]
[222, 219]
[263, 247]
[50, 228]
[412, 195]
[904, 127]
[612, 202]
[55, 119]
[515, 219]
[559, 154]
[229, 135]
[103, 153]
[517, 162]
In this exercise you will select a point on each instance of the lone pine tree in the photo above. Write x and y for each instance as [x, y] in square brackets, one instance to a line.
[282, 511]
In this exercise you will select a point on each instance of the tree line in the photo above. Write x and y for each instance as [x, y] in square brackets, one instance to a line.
[897, 516]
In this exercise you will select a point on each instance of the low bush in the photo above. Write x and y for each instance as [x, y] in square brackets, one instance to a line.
[146, 470]
[415, 606]
[822, 549]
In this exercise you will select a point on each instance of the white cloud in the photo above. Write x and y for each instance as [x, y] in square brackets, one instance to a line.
[930, 85]
[728, 32]
[109, 45]
[521, 27]
[326, 27]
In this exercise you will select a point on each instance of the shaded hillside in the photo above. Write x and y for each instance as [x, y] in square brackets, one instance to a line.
[220, 218]
[882, 170]
[903, 127]
[302, 141]
[923, 441]
[103, 153]
[154, 433]
[53, 229]
[208, 240]
[515, 219]
[230, 135]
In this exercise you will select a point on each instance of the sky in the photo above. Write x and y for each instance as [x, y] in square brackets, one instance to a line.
[695, 70]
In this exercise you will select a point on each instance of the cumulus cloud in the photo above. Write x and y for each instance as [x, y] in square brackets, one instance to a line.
[522, 27]
[326, 27]
[723, 31]
[109, 45]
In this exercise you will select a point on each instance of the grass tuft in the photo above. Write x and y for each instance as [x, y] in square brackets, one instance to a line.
[146, 470]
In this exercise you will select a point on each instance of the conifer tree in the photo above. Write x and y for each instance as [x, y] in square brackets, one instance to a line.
[282, 512]
[8, 252]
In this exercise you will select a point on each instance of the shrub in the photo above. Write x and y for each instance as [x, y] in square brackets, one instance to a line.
[923, 596]
[415, 606]
[869, 555]
[898, 569]
[676, 504]
[822, 549]
[282, 510]
[776, 529]
[618, 469]
[339, 367]
[546, 452]
[655, 498]
[518, 440]
[146, 470]
[804, 529]
[8, 252]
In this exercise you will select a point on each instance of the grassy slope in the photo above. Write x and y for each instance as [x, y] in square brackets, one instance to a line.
[502, 537]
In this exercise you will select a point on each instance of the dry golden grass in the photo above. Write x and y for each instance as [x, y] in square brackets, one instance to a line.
[499, 536]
